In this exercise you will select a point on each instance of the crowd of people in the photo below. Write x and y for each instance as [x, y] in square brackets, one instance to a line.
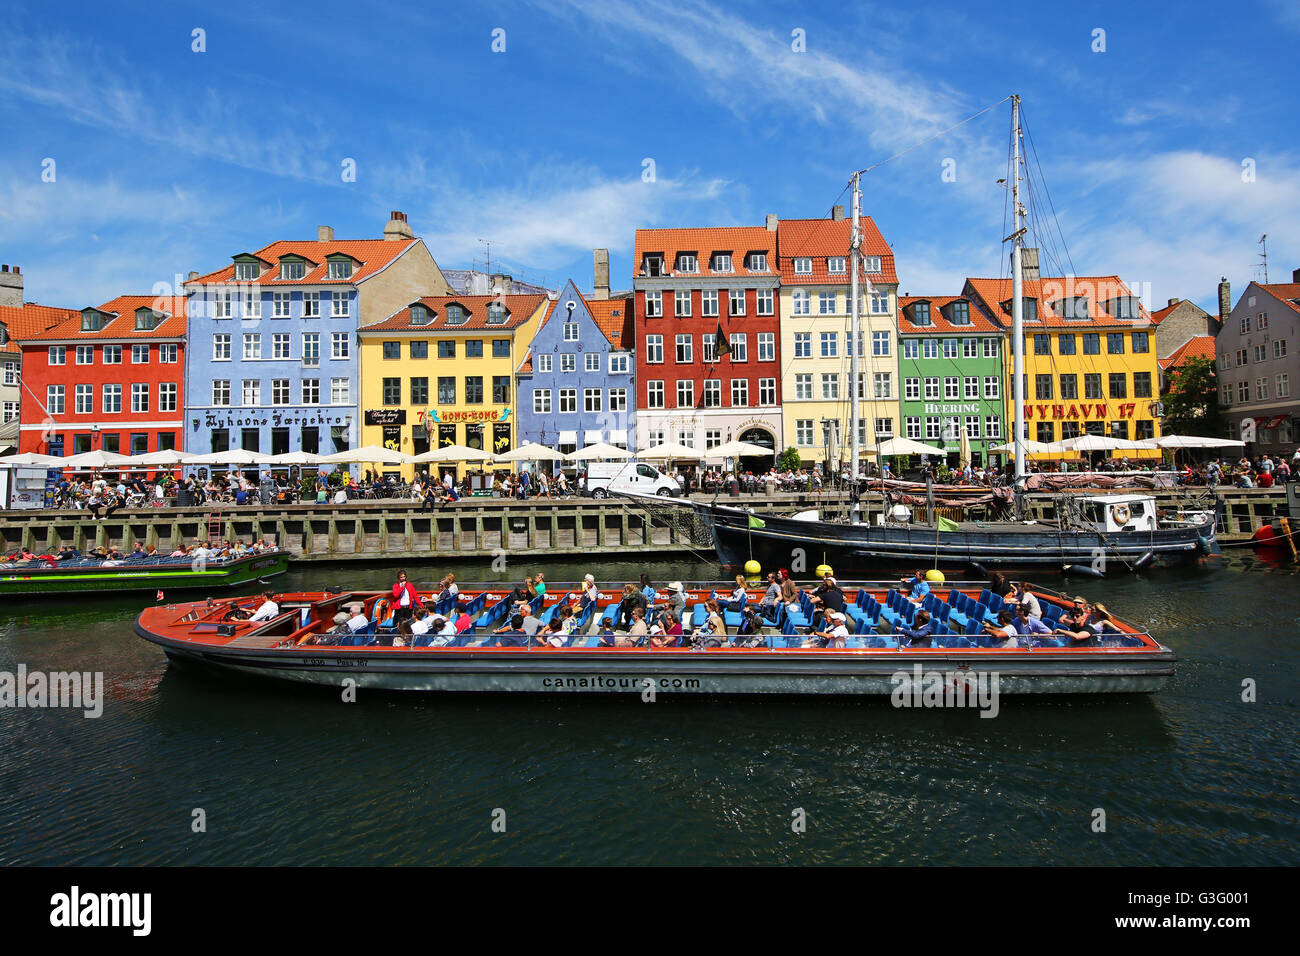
[1262, 471]
[143, 554]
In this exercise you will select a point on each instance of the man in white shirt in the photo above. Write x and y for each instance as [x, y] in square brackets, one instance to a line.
[837, 635]
[268, 610]
[358, 620]
[1004, 632]
[1030, 603]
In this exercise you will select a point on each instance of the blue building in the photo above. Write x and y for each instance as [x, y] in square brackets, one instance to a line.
[577, 382]
[272, 353]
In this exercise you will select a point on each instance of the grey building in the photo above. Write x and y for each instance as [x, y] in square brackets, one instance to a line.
[1258, 354]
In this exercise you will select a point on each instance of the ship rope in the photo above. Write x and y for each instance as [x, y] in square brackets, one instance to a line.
[685, 522]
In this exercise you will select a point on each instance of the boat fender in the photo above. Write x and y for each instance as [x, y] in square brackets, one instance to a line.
[1082, 569]
[1143, 561]
[980, 569]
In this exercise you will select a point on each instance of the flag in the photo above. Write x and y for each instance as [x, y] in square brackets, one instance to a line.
[946, 525]
[721, 345]
[757, 522]
[160, 596]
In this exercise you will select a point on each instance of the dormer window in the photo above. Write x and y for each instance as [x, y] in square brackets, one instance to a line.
[497, 313]
[686, 262]
[147, 319]
[871, 263]
[92, 320]
[837, 264]
[1029, 309]
[420, 315]
[803, 265]
[959, 312]
[340, 269]
[1074, 308]
[758, 262]
[722, 262]
[456, 315]
[654, 265]
[246, 271]
[292, 268]
[1124, 307]
[921, 313]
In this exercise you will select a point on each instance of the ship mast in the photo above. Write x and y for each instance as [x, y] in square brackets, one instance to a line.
[855, 243]
[1017, 293]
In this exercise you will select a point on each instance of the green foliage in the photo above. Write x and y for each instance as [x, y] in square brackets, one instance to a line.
[789, 460]
[1192, 402]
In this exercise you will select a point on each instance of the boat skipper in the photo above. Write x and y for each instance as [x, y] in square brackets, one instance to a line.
[268, 609]
[405, 598]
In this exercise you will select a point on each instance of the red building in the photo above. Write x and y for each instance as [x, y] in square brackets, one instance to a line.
[106, 379]
[688, 284]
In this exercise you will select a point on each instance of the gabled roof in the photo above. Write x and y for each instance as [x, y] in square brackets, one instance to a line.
[1161, 314]
[1287, 292]
[1198, 346]
[373, 254]
[938, 320]
[820, 239]
[1098, 290]
[120, 320]
[737, 240]
[612, 316]
[29, 320]
[520, 309]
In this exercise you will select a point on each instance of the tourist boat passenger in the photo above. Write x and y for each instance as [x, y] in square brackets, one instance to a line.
[405, 598]
[1027, 624]
[739, 596]
[1004, 632]
[268, 609]
[589, 589]
[918, 587]
[836, 635]
[827, 597]
[767, 606]
[676, 599]
[713, 632]
[539, 582]
[919, 634]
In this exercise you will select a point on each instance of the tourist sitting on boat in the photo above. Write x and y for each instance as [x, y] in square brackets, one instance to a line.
[447, 586]
[68, 553]
[827, 597]
[268, 608]
[1085, 629]
[589, 590]
[539, 582]
[632, 600]
[919, 634]
[1004, 632]
[606, 634]
[750, 632]
[669, 631]
[918, 587]
[789, 592]
[513, 634]
[836, 635]
[554, 635]
[637, 625]
[676, 599]
[767, 606]
[405, 598]
[713, 632]
[113, 559]
[649, 591]
[1026, 623]
[739, 595]
[1021, 595]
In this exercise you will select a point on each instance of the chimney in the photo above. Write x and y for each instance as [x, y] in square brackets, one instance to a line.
[1225, 298]
[1174, 301]
[192, 276]
[11, 286]
[396, 228]
[499, 283]
[1295, 276]
[837, 212]
[771, 222]
[324, 233]
[1029, 264]
[600, 271]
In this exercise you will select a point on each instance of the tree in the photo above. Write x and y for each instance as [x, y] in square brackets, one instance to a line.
[1192, 401]
[789, 460]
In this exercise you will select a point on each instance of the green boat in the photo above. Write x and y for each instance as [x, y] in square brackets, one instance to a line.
[89, 576]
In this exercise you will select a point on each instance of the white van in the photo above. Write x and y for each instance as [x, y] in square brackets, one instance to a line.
[634, 477]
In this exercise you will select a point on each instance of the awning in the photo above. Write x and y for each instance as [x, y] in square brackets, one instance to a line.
[1275, 421]
[568, 438]
[593, 435]
[618, 437]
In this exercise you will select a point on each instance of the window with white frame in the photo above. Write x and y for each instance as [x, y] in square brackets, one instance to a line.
[826, 303]
[252, 305]
[112, 355]
[739, 393]
[799, 302]
[340, 345]
[930, 348]
[139, 397]
[758, 262]
[339, 302]
[280, 345]
[570, 331]
[1279, 348]
[169, 353]
[167, 396]
[992, 348]
[871, 264]
[654, 304]
[736, 302]
[685, 393]
[593, 399]
[591, 362]
[830, 385]
[971, 386]
[830, 344]
[1283, 385]
[294, 269]
[654, 393]
[11, 411]
[340, 391]
[280, 305]
[541, 401]
[708, 348]
[803, 345]
[912, 389]
[709, 302]
[618, 399]
[246, 271]
[912, 426]
[911, 348]
[111, 399]
[932, 426]
[220, 392]
[686, 262]
[339, 269]
[686, 436]
[767, 346]
[739, 342]
[883, 384]
[252, 346]
[803, 432]
[11, 373]
[765, 302]
[684, 349]
[682, 304]
[767, 391]
[931, 388]
[972, 426]
[311, 305]
[311, 391]
[568, 362]
[84, 396]
[279, 392]
[803, 265]
[654, 349]
[58, 355]
[992, 387]
[568, 401]
[970, 348]
[85, 355]
[722, 262]
[803, 386]
[311, 349]
[880, 343]
[713, 393]
[619, 363]
[221, 305]
[884, 428]
[879, 303]
[950, 348]
[251, 392]
[951, 387]
[837, 264]
[992, 426]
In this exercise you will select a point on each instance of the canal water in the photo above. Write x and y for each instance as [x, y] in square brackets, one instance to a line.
[1190, 776]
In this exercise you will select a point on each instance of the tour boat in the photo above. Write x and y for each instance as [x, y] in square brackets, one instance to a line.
[90, 575]
[872, 663]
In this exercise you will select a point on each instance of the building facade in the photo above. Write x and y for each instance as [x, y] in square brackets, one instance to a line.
[815, 304]
[1180, 321]
[1258, 361]
[273, 365]
[577, 382]
[441, 371]
[951, 375]
[11, 311]
[1090, 358]
[108, 378]
[689, 287]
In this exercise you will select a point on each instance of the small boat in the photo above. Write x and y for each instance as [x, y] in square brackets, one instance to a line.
[89, 575]
[207, 634]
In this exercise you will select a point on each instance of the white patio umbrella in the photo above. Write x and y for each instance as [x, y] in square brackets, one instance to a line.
[296, 458]
[1105, 443]
[231, 456]
[367, 455]
[156, 459]
[735, 449]
[904, 446]
[530, 451]
[669, 451]
[30, 459]
[1191, 441]
[95, 459]
[599, 451]
[1031, 447]
[452, 453]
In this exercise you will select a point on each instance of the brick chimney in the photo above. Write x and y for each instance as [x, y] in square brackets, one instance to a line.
[1174, 301]
[1029, 264]
[600, 273]
[771, 222]
[837, 212]
[396, 229]
[11, 286]
[1225, 298]
[324, 233]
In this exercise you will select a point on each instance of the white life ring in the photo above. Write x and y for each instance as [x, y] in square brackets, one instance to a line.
[1121, 514]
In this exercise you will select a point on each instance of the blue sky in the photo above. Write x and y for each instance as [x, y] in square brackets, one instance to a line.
[168, 160]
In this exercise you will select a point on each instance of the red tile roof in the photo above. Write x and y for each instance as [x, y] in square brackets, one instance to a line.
[1097, 289]
[372, 254]
[821, 238]
[121, 320]
[1288, 292]
[737, 240]
[939, 322]
[28, 320]
[520, 308]
[614, 318]
[526, 366]
[1198, 346]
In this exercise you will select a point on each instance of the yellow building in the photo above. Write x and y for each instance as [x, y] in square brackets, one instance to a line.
[441, 372]
[815, 346]
[1091, 365]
